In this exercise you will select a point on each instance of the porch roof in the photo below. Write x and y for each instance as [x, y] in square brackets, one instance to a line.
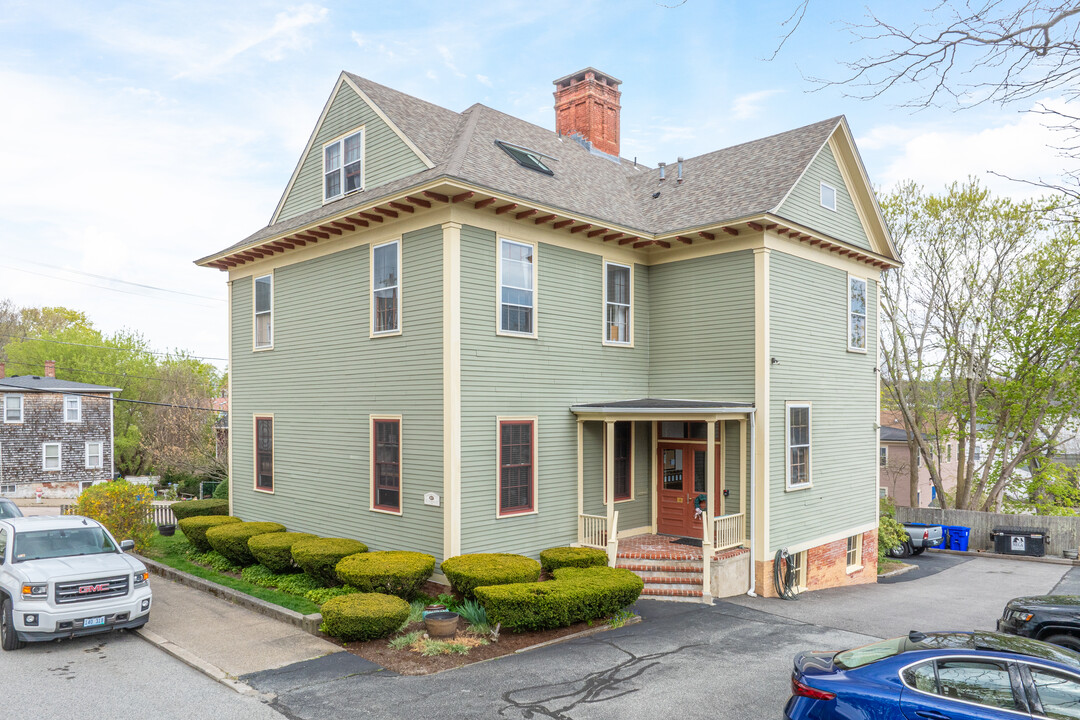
[663, 406]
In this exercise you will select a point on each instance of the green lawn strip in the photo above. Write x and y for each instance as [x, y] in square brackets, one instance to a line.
[885, 566]
[172, 551]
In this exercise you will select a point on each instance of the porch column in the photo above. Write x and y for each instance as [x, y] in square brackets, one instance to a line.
[609, 490]
[744, 492]
[581, 480]
[710, 511]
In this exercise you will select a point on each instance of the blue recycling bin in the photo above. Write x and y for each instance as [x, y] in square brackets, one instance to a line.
[958, 537]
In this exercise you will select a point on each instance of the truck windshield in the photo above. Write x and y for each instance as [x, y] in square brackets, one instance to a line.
[42, 544]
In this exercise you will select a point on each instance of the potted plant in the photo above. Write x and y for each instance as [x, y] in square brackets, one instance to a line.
[166, 530]
[441, 624]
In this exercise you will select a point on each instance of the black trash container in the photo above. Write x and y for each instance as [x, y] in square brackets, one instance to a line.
[1020, 541]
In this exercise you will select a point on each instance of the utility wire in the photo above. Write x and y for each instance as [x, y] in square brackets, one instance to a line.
[100, 372]
[106, 347]
[135, 402]
[106, 287]
[112, 279]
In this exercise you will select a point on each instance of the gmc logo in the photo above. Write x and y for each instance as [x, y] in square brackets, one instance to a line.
[84, 589]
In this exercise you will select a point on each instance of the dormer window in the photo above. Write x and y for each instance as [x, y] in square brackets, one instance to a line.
[343, 165]
[527, 158]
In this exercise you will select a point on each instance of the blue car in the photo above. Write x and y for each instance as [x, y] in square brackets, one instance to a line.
[938, 676]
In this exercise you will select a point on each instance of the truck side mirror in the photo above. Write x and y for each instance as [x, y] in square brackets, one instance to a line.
[127, 545]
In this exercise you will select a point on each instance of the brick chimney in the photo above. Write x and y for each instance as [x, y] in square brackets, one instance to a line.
[50, 368]
[587, 102]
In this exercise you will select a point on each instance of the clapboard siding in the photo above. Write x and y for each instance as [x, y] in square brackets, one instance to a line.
[803, 205]
[323, 380]
[634, 513]
[386, 156]
[504, 376]
[808, 337]
[702, 334]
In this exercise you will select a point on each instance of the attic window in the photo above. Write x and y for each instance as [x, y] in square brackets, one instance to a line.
[527, 158]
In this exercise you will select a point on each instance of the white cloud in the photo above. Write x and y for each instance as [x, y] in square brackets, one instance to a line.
[484, 80]
[749, 105]
[448, 60]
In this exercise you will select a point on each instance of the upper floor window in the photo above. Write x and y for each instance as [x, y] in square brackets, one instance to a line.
[828, 197]
[72, 408]
[617, 303]
[516, 479]
[517, 281]
[13, 408]
[94, 455]
[50, 456]
[264, 454]
[386, 449]
[798, 445]
[883, 456]
[343, 165]
[386, 287]
[264, 311]
[856, 314]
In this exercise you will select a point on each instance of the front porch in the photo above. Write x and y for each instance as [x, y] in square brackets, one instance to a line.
[673, 570]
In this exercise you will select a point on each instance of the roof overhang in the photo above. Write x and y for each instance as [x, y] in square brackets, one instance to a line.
[664, 409]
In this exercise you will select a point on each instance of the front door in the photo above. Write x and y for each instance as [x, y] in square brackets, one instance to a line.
[682, 479]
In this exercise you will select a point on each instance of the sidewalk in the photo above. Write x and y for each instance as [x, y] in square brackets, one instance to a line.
[213, 634]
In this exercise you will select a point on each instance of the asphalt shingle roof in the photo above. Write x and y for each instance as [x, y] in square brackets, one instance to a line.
[35, 383]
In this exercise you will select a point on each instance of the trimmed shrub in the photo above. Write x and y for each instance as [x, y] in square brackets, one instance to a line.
[194, 529]
[363, 616]
[468, 572]
[319, 556]
[123, 507]
[201, 508]
[580, 557]
[575, 595]
[221, 492]
[274, 550]
[392, 572]
[231, 540]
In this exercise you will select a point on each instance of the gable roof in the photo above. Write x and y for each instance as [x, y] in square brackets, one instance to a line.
[741, 181]
[35, 383]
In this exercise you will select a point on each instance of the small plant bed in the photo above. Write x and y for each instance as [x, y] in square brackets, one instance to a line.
[887, 566]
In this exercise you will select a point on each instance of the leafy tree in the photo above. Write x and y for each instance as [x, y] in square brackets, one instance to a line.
[124, 508]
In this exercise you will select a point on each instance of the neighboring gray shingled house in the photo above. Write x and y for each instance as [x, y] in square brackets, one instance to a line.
[56, 436]
[462, 332]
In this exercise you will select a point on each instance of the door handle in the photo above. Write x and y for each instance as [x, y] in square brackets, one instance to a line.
[931, 715]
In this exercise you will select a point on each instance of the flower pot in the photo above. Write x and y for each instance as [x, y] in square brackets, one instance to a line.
[441, 624]
[1070, 554]
[437, 607]
[166, 530]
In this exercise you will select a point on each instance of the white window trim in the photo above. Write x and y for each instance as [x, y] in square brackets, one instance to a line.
[499, 286]
[788, 486]
[255, 346]
[22, 408]
[341, 170]
[100, 455]
[858, 564]
[800, 575]
[499, 420]
[255, 418]
[401, 469]
[865, 314]
[78, 408]
[883, 454]
[821, 196]
[883, 492]
[372, 288]
[630, 315]
[59, 457]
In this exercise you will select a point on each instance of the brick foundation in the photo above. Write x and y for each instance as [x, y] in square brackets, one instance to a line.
[826, 567]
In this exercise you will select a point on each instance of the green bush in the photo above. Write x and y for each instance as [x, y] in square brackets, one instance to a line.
[122, 507]
[468, 572]
[363, 616]
[215, 560]
[221, 492]
[575, 595]
[394, 573]
[201, 508]
[319, 556]
[231, 540]
[298, 584]
[554, 558]
[274, 550]
[194, 529]
[891, 534]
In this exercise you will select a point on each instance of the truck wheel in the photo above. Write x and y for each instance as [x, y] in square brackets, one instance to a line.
[8, 639]
[899, 551]
[918, 550]
[1068, 641]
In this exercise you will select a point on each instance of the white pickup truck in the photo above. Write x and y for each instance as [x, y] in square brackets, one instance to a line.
[62, 577]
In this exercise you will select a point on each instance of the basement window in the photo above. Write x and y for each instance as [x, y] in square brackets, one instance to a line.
[527, 158]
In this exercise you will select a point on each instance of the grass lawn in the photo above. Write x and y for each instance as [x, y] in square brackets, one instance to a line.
[888, 565]
[172, 551]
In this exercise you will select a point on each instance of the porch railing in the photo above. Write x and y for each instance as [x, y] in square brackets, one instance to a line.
[729, 531]
[592, 531]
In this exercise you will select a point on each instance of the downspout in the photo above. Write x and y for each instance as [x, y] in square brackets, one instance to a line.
[753, 455]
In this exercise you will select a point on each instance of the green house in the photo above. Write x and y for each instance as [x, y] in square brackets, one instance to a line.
[461, 332]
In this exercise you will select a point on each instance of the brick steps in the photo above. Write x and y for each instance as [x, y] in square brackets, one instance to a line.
[671, 594]
[661, 567]
[667, 575]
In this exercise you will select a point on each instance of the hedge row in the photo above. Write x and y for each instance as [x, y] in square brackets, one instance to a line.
[193, 508]
[575, 595]
[231, 540]
[194, 529]
[363, 616]
[468, 572]
[391, 572]
[274, 550]
[318, 557]
[580, 557]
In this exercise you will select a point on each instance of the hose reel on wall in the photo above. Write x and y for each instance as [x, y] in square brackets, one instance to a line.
[784, 575]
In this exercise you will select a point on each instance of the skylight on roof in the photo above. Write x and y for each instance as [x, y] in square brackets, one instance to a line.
[527, 158]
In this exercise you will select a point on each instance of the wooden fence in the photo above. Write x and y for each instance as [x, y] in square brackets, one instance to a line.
[1064, 532]
[159, 515]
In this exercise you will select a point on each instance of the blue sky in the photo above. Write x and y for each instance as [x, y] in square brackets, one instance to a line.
[139, 136]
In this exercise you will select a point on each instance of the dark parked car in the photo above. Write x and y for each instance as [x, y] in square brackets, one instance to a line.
[8, 509]
[1052, 618]
[938, 676]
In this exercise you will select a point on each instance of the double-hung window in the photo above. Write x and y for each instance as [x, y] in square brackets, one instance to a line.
[517, 279]
[94, 455]
[623, 467]
[72, 408]
[343, 165]
[856, 314]
[264, 311]
[386, 288]
[50, 457]
[13, 408]
[264, 454]
[854, 551]
[883, 456]
[386, 451]
[617, 303]
[517, 479]
[798, 445]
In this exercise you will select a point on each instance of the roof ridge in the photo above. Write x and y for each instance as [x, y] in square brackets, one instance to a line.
[463, 138]
[387, 88]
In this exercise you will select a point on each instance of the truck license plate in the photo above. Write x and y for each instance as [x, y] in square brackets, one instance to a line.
[93, 622]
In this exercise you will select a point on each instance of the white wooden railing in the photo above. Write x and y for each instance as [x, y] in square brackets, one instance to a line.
[592, 531]
[729, 531]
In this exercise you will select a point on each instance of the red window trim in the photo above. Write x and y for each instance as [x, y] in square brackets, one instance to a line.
[629, 464]
[258, 487]
[375, 422]
[532, 469]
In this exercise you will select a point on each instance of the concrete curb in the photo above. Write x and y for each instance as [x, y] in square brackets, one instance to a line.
[1049, 560]
[307, 623]
[897, 571]
[208, 669]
